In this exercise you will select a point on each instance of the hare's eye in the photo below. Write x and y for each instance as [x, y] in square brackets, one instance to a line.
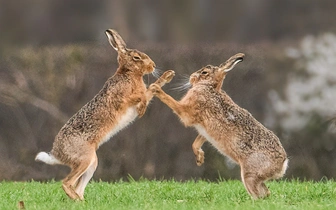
[204, 72]
[136, 58]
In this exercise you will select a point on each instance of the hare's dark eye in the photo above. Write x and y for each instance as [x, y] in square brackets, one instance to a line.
[204, 72]
[136, 58]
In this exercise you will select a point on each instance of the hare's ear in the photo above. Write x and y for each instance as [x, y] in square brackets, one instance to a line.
[231, 62]
[115, 40]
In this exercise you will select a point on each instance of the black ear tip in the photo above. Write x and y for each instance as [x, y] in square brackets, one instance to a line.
[111, 32]
[108, 31]
[240, 57]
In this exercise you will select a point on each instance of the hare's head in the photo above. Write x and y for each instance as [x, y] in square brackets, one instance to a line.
[214, 75]
[130, 59]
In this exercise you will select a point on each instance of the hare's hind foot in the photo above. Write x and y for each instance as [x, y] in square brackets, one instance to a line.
[255, 186]
[81, 173]
[264, 190]
[71, 193]
[85, 178]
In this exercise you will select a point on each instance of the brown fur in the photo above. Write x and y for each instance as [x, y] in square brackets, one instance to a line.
[123, 97]
[230, 128]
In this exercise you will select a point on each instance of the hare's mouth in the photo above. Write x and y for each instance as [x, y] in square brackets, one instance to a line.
[150, 70]
[156, 73]
[192, 79]
[153, 68]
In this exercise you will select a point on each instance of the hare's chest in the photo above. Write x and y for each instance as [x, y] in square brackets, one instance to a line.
[124, 120]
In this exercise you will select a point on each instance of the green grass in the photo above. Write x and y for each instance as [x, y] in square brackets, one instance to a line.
[171, 194]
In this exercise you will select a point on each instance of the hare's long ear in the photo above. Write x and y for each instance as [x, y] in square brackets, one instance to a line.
[231, 62]
[115, 40]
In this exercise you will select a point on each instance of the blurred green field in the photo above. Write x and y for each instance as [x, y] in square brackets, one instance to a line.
[145, 194]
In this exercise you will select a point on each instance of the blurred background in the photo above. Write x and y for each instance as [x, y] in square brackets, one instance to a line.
[54, 57]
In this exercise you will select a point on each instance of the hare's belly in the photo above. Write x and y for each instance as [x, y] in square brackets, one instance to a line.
[129, 116]
[201, 130]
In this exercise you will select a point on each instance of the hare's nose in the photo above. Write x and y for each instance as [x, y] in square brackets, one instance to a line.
[154, 65]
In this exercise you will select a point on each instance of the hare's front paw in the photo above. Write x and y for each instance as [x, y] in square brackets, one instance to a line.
[141, 108]
[168, 75]
[155, 89]
[199, 157]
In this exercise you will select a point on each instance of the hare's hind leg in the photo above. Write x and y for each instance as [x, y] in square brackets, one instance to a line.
[199, 153]
[255, 185]
[264, 190]
[85, 178]
[72, 180]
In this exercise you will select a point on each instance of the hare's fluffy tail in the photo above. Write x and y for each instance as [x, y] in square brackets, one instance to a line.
[47, 158]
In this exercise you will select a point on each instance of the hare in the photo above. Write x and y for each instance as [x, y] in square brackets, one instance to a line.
[232, 130]
[123, 98]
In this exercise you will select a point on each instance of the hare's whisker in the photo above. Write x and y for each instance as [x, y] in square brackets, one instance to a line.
[157, 73]
[182, 85]
[185, 77]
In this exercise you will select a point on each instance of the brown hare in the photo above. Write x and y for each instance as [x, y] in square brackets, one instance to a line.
[123, 98]
[228, 127]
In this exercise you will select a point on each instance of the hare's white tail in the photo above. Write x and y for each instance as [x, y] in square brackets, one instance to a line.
[284, 167]
[283, 170]
[47, 158]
